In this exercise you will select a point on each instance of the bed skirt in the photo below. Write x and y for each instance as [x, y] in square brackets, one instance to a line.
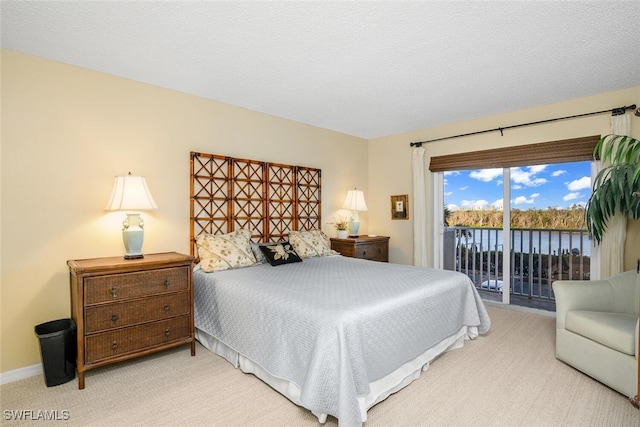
[379, 389]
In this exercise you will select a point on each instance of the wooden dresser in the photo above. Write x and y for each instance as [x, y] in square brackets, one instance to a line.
[365, 247]
[129, 308]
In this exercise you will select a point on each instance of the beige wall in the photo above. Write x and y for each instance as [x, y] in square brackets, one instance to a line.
[67, 131]
[390, 157]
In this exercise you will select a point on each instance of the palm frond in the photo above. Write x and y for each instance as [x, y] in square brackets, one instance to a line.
[615, 184]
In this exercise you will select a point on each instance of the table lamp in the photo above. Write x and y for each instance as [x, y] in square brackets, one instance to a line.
[130, 193]
[354, 202]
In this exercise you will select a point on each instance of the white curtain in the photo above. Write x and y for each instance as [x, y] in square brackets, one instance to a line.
[419, 209]
[612, 244]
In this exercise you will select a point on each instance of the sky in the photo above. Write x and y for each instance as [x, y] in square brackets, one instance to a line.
[561, 185]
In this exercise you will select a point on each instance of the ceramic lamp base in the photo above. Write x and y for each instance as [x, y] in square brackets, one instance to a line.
[354, 227]
[133, 236]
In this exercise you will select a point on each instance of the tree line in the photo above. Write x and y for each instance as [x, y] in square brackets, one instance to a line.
[550, 218]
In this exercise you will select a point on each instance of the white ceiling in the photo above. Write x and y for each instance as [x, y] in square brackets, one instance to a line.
[368, 69]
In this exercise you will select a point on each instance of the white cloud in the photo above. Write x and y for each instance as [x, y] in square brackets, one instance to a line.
[498, 204]
[521, 200]
[534, 195]
[452, 207]
[558, 173]
[474, 204]
[486, 175]
[462, 188]
[579, 184]
[571, 196]
[448, 193]
[537, 168]
[527, 176]
[447, 173]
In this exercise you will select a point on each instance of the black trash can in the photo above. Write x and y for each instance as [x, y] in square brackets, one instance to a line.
[58, 349]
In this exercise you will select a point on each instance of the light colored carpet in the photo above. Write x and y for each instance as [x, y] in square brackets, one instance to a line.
[509, 377]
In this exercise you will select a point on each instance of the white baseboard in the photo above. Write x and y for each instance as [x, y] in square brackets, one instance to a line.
[20, 374]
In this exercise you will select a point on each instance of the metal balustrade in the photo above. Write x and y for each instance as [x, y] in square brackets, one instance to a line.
[538, 257]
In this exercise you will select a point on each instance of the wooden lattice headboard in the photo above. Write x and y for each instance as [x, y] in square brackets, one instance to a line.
[269, 199]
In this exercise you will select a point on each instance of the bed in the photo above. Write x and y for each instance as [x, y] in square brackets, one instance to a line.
[333, 334]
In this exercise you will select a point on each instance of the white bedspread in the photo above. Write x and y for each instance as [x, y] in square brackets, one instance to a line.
[333, 325]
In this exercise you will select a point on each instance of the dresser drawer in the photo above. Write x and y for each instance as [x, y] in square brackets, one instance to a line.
[373, 248]
[122, 341]
[372, 251]
[114, 287]
[116, 315]
[344, 247]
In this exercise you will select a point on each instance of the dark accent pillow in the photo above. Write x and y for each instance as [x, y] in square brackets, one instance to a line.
[280, 253]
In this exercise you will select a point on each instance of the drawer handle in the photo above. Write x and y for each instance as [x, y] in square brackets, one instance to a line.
[166, 283]
[364, 253]
[167, 333]
[114, 318]
[166, 308]
[114, 291]
[114, 346]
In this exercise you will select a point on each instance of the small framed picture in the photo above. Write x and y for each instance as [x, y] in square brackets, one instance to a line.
[400, 206]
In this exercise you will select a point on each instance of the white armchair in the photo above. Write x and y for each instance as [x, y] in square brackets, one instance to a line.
[597, 328]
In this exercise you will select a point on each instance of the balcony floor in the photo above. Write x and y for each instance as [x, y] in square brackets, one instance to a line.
[520, 300]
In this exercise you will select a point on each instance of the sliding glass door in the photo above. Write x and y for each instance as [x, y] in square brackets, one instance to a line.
[514, 230]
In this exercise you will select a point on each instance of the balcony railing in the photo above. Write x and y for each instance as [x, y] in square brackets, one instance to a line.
[538, 257]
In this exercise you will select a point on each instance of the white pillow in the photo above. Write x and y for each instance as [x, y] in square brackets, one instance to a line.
[225, 251]
[255, 248]
[312, 243]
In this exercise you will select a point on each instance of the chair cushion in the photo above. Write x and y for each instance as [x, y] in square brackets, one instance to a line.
[614, 330]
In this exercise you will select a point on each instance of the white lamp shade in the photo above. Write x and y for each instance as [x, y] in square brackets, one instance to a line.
[355, 201]
[130, 193]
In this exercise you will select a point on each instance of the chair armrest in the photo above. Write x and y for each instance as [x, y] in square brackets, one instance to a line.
[593, 295]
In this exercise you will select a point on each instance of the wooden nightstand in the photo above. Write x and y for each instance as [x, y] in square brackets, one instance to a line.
[365, 247]
[129, 308]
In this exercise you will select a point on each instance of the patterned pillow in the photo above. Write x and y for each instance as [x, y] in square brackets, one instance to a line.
[255, 248]
[311, 243]
[225, 251]
[280, 253]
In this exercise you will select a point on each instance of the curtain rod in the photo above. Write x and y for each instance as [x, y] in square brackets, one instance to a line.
[614, 112]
